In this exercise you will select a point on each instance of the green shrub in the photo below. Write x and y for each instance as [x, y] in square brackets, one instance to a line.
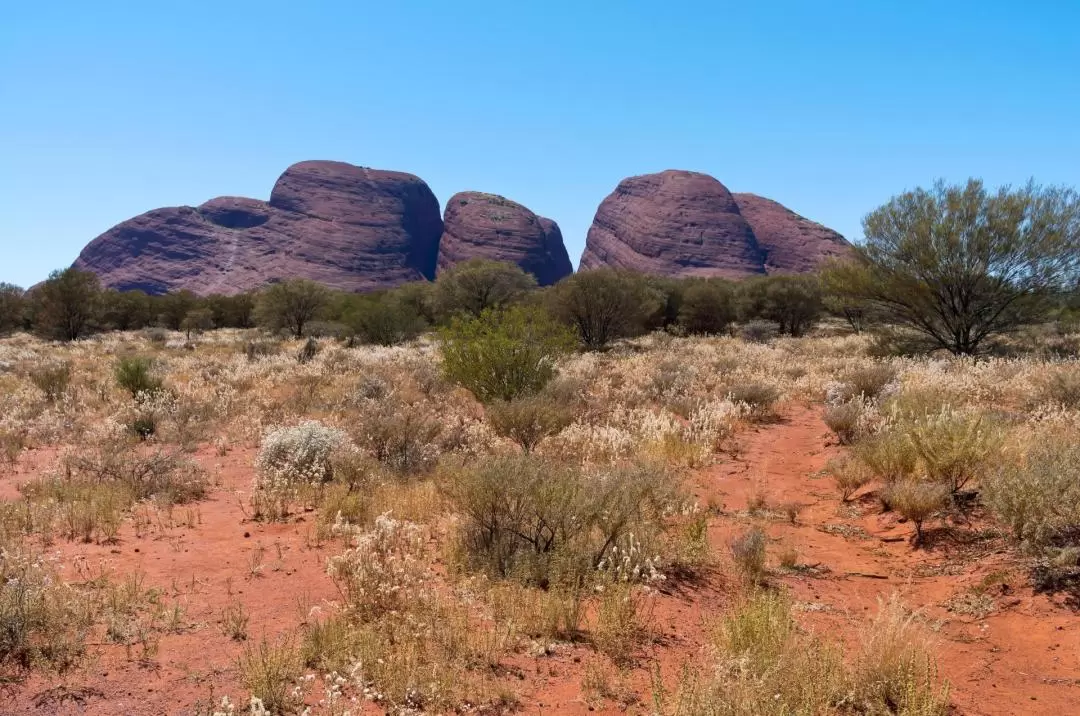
[707, 307]
[604, 305]
[503, 355]
[135, 376]
[843, 420]
[917, 501]
[478, 285]
[954, 447]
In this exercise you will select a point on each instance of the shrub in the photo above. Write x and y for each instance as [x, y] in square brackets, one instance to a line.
[383, 571]
[1061, 387]
[954, 447]
[603, 305]
[539, 520]
[401, 436]
[1039, 497]
[299, 454]
[45, 622]
[135, 376]
[850, 474]
[793, 303]
[759, 398]
[917, 501]
[51, 379]
[868, 383]
[889, 454]
[253, 350]
[503, 355]
[843, 420]
[528, 420]
[162, 475]
[308, 351]
[64, 305]
[757, 331]
[269, 671]
[12, 307]
[748, 551]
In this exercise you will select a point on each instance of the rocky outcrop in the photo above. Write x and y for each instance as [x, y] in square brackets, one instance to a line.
[679, 223]
[792, 243]
[348, 227]
[674, 223]
[478, 225]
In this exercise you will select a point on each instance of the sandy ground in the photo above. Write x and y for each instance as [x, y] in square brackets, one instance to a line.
[1023, 657]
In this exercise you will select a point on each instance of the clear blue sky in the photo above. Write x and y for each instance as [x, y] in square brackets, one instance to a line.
[110, 109]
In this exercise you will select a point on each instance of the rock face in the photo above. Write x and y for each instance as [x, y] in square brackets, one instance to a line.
[348, 227]
[679, 223]
[478, 225]
[792, 243]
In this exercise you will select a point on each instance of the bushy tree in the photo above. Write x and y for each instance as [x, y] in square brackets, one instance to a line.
[385, 319]
[505, 354]
[794, 303]
[174, 306]
[12, 308]
[197, 320]
[232, 311]
[125, 310]
[604, 304]
[477, 285]
[290, 305]
[66, 304]
[960, 264]
[707, 306]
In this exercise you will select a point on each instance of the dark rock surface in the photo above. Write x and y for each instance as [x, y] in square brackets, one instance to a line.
[349, 227]
[479, 225]
[674, 223]
[679, 223]
[792, 243]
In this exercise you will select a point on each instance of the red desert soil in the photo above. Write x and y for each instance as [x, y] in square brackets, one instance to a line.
[1022, 658]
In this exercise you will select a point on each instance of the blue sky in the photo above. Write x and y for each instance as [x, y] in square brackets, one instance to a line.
[110, 109]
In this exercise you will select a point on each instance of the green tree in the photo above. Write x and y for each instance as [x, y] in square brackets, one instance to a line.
[197, 320]
[174, 306]
[707, 306]
[125, 310]
[503, 354]
[232, 311]
[477, 285]
[66, 304]
[385, 319]
[794, 303]
[604, 304]
[960, 264]
[12, 308]
[290, 305]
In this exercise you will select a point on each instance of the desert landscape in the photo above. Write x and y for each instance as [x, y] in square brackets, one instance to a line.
[624, 492]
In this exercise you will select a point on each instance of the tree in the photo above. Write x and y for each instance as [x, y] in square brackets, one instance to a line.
[125, 310]
[505, 354]
[603, 304]
[197, 320]
[290, 305]
[794, 303]
[960, 264]
[66, 303]
[385, 319]
[708, 305]
[174, 306]
[477, 285]
[12, 308]
[232, 311]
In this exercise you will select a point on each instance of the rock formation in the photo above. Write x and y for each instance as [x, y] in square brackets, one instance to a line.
[679, 223]
[792, 243]
[349, 227]
[478, 225]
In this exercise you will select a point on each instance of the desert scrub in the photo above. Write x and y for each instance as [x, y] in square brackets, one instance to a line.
[383, 571]
[1038, 497]
[767, 665]
[954, 447]
[159, 474]
[503, 355]
[917, 500]
[528, 420]
[536, 519]
[759, 398]
[748, 552]
[868, 383]
[135, 375]
[45, 622]
[269, 671]
[844, 420]
[850, 475]
[289, 460]
[52, 379]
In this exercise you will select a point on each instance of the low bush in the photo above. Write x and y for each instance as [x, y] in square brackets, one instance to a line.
[868, 383]
[844, 420]
[917, 501]
[135, 375]
[269, 671]
[759, 398]
[1038, 498]
[1060, 387]
[748, 551]
[528, 420]
[954, 447]
[850, 475]
[52, 379]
